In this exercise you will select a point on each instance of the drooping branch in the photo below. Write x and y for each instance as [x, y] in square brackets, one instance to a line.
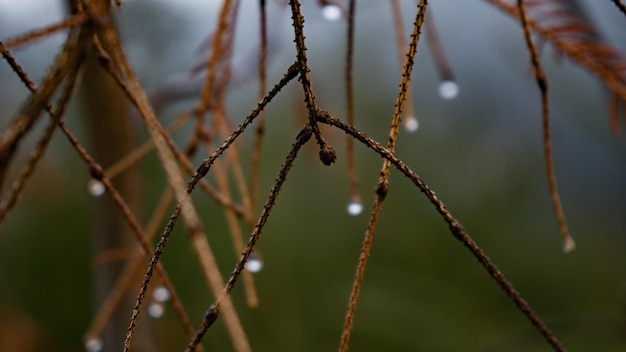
[456, 228]
[382, 185]
[211, 315]
[327, 153]
[542, 83]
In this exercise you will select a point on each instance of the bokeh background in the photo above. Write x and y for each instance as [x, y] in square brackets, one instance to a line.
[480, 152]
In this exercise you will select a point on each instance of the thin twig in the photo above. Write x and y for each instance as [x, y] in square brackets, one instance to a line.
[396, 11]
[291, 73]
[568, 241]
[327, 153]
[353, 179]
[436, 49]
[217, 54]
[211, 315]
[606, 74]
[456, 228]
[199, 174]
[128, 274]
[140, 151]
[260, 126]
[96, 172]
[67, 60]
[109, 38]
[128, 159]
[131, 158]
[42, 143]
[72, 21]
[221, 175]
[382, 186]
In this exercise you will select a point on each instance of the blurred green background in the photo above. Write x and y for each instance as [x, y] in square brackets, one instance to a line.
[423, 291]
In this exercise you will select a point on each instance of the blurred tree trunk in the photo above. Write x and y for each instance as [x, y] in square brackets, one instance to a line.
[111, 135]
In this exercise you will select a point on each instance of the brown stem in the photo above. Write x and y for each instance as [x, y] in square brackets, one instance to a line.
[211, 314]
[327, 154]
[542, 83]
[353, 180]
[456, 228]
[382, 185]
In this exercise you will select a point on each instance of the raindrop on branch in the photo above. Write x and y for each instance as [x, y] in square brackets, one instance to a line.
[156, 310]
[355, 208]
[93, 344]
[96, 188]
[569, 245]
[448, 90]
[331, 12]
[254, 264]
[161, 294]
[411, 124]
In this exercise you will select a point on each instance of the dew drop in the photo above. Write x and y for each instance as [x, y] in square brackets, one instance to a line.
[254, 265]
[96, 188]
[93, 344]
[161, 294]
[569, 245]
[156, 310]
[331, 12]
[411, 124]
[355, 208]
[448, 90]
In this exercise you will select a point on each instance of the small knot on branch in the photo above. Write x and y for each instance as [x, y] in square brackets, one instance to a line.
[382, 187]
[456, 228]
[327, 154]
[96, 171]
[293, 70]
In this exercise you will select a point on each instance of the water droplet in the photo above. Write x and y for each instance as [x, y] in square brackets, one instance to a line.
[569, 245]
[355, 208]
[96, 188]
[331, 12]
[156, 310]
[93, 344]
[161, 294]
[254, 264]
[448, 90]
[411, 124]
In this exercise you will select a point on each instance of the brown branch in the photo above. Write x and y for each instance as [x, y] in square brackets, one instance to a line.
[456, 228]
[382, 186]
[353, 179]
[217, 54]
[130, 158]
[436, 49]
[572, 50]
[199, 174]
[108, 36]
[260, 127]
[40, 148]
[221, 176]
[128, 273]
[542, 83]
[72, 21]
[69, 58]
[291, 73]
[396, 11]
[96, 172]
[327, 153]
[211, 315]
